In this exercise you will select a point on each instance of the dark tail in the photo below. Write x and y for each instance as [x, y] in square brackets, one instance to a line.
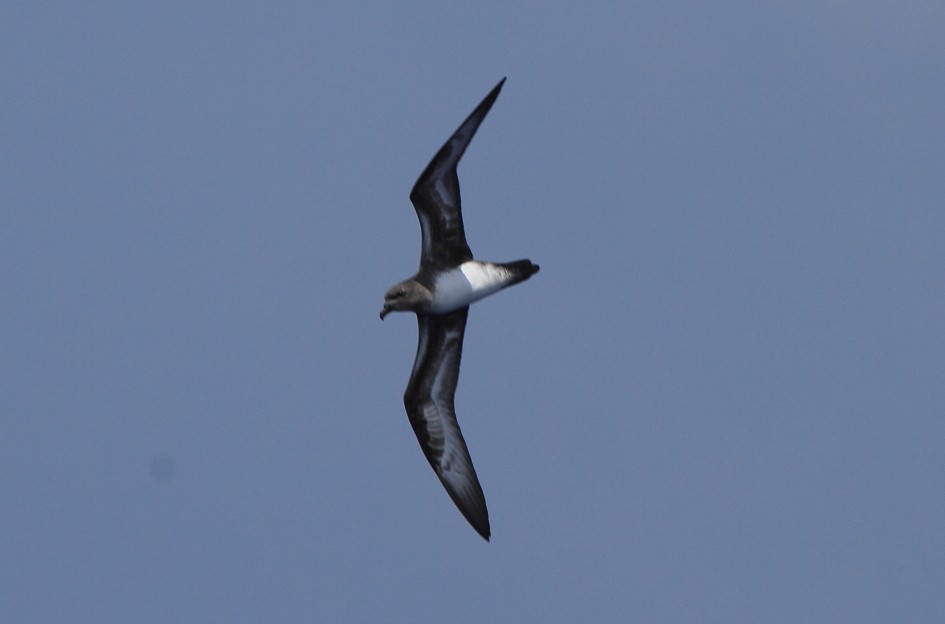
[521, 270]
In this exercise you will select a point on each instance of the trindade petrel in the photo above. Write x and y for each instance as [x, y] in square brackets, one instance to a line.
[440, 293]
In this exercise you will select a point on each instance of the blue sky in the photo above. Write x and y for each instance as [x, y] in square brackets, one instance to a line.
[721, 400]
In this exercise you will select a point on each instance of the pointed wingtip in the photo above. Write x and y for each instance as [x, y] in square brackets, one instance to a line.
[486, 103]
[498, 86]
[476, 516]
[481, 525]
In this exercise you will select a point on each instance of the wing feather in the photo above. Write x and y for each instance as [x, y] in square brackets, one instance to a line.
[429, 404]
[435, 196]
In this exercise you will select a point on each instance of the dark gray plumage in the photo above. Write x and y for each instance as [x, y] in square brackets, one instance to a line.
[440, 293]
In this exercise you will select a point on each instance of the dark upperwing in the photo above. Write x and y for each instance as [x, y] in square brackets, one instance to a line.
[436, 196]
[429, 403]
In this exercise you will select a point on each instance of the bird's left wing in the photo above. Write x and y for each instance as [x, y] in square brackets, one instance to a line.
[435, 195]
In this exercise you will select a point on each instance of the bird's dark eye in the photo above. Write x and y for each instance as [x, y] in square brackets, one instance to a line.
[401, 293]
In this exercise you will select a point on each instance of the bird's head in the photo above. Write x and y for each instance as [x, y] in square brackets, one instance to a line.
[409, 295]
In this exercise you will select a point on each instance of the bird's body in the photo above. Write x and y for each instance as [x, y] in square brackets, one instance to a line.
[448, 281]
[455, 288]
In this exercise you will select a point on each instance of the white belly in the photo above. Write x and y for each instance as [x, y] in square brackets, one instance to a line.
[465, 284]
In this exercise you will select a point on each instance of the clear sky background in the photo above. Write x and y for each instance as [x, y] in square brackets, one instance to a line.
[721, 400]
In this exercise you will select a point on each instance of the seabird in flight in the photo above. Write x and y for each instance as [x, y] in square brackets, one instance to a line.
[440, 293]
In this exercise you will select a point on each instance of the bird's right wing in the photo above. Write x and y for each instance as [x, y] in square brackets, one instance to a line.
[429, 403]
